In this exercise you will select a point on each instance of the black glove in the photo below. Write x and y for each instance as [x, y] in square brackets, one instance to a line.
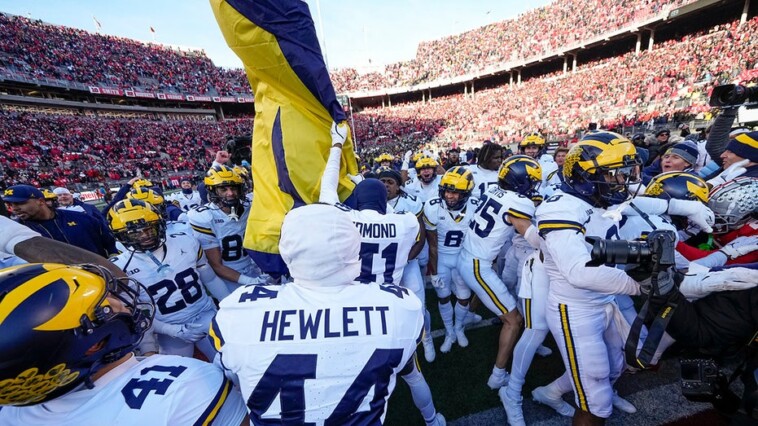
[665, 281]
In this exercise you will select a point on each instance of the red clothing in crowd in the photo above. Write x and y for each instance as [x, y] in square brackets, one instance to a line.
[748, 230]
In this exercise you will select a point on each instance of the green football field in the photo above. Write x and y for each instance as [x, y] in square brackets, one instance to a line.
[458, 381]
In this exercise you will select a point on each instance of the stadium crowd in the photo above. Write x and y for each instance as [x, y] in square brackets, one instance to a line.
[609, 92]
[537, 32]
[676, 93]
[38, 50]
[63, 150]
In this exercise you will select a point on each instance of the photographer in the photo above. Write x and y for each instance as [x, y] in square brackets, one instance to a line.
[722, 324]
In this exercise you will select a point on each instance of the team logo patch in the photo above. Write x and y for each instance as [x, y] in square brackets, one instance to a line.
[32, 386]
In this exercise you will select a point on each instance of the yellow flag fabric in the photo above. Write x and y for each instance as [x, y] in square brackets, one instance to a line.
[295, 105]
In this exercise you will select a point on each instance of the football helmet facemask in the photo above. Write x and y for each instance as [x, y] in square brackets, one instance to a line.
[60, 324]
[137, 225]
[601, 167]
[734, 203]
[458, 180]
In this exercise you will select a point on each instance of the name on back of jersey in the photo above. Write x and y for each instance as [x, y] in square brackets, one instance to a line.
[279, 325]
[376, 230]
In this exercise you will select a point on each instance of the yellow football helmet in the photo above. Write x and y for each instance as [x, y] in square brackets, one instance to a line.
[522, 174]
[222, 176]
[385, 157]
[150, 197]
[58, 327]
[50, 197]
[142, 183]
[417, 156]
[137, 225]
[601, 167]
[460, 180]
[244, 172]
[533, 139]
[426, 162]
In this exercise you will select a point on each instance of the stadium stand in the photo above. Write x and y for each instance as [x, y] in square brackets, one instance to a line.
[35, 49]
[535, 33]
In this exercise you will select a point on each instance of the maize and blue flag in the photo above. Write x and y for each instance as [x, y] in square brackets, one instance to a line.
[295, 104]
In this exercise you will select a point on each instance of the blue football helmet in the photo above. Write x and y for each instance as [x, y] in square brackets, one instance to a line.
[601, 167]
[60, 324]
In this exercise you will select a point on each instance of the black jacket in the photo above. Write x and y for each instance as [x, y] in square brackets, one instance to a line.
[719, 324]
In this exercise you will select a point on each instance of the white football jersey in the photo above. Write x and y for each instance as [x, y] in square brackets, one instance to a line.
[451, 226]
[566, 212]
[424, 191]
[13, 233]
[176, 226]
[483, 179]
[159, 390]
[386, 242]
[321, 355]
[406, 203]
[215, 229]
[488, 229]
[175, 287]
[187, 202]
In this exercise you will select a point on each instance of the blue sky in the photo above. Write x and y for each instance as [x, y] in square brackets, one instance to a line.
[383, 31]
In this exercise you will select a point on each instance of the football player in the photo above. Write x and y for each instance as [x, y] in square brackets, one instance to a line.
[188, 198]
[50, 198]
[534, 145]
[580, 311]
[173, 269]
[427, 184]
[220, 227]
[72, 364]
[523, 175]
[399, 201]
[485, 170]
[493, 223]
[388, 241]
[446, 219]
[322, 343]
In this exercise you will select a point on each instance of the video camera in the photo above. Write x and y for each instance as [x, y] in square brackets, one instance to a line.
[731, 95]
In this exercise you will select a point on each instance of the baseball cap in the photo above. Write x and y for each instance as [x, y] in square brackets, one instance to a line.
[22, 193]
